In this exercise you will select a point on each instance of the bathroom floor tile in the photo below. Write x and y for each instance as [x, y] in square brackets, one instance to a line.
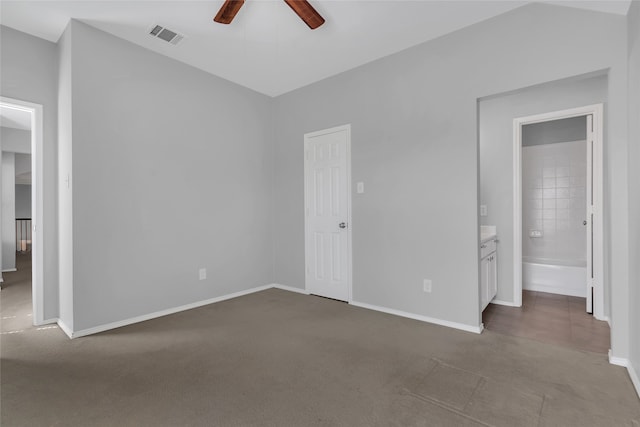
[551, 318]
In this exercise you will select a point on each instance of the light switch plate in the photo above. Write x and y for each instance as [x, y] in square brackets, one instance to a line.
[202, 273]
[483, 210]
[360, 187]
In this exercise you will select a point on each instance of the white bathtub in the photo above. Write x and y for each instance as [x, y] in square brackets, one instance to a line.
[555, 277]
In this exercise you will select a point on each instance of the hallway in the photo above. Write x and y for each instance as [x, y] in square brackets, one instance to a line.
[16, 304]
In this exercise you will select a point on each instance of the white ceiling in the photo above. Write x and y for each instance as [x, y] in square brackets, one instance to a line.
[13, 118]
[267, 47]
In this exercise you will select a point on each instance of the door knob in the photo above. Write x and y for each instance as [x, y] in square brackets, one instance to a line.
[584, 222]
[342, 225]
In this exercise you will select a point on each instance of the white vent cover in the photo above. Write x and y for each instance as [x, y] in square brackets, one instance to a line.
[162, 33]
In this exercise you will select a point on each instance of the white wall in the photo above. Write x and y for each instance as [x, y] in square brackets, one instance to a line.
[157, 145]
[23, 201]
[15, 140]
[414, 127]
[634, 189]
[8, 211]
[28, 66]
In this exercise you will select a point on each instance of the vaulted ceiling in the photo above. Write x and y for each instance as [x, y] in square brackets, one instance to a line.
[267, 48]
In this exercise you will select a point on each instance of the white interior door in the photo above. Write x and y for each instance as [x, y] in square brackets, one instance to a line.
[327, 213]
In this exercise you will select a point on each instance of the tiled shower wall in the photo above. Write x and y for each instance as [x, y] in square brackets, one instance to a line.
[554, 202]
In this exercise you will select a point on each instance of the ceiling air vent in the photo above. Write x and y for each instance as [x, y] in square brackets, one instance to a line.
[160, 32]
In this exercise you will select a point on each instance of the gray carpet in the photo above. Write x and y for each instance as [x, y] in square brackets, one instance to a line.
[277, 358]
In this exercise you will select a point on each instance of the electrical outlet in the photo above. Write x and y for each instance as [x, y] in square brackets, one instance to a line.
[203, 273]
[483, 210]
[426, 285]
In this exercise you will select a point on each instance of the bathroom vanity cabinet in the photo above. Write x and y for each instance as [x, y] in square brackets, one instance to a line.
[488, 270]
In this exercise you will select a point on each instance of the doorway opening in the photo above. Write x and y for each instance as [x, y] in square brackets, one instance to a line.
[327, 194]
[24, 235]
[570, 186]
[558, 231]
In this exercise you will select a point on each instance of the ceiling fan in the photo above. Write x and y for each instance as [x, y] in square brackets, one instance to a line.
[302, 8]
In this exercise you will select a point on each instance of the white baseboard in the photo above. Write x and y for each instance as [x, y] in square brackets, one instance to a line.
[290, 289]
[634, 378]
[66, 329]
[144, 317]
[9, 270]
[137, 319]
[619, 361]
[604, 319]
[455, 325]
[46, 322]
[501, 302]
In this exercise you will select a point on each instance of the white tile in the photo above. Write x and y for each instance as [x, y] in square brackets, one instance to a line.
[576, 192]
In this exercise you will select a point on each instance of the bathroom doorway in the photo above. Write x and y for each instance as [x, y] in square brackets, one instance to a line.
[557, 231]
[558, 227]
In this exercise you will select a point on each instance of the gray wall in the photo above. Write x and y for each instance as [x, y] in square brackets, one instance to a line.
[23, 201]
[15, 140]
[65, 202]
[496, 154]
[564, 130]
[8, 171]
[634, 184]
[28, 66]
[157, 145]
[414, 127]
[23, 167]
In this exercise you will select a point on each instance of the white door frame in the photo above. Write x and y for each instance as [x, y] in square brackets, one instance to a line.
[597, 225]
[307, 137]
[37, 204]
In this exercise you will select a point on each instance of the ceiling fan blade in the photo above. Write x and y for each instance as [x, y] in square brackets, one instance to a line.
[228, 11]
[306, 12]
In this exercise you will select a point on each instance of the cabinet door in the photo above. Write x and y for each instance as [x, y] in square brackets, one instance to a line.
[492, 281]
[485, 269]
